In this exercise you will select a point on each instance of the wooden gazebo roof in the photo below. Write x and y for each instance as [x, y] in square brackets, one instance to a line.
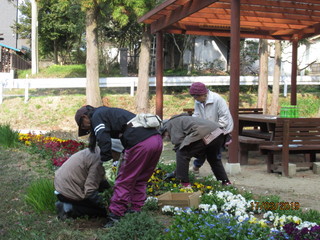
[270, 19]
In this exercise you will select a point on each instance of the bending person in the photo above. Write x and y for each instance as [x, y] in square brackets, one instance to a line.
[193, 137]
[142, 150]
[77, 183]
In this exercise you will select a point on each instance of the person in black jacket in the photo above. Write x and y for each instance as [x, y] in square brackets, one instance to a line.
[142, 150]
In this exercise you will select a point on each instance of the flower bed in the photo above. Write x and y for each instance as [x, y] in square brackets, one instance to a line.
[224, 212]
[57, 150]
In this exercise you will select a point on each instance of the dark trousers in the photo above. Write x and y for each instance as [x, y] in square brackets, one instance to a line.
[196, 149]
[83, 208]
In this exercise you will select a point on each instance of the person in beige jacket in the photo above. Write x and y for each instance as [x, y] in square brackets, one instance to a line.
[77, 185]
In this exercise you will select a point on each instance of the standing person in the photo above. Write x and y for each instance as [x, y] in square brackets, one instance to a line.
[142, 150]
[77, 183]
[194, 137]
[211, 106]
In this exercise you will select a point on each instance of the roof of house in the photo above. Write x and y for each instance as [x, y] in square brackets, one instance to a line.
[12, 48]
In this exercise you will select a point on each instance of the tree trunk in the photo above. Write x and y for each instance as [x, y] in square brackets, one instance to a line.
[192, 57]
[263, 75]
[92, 61]
[55, 52]
[276, 79]
[171, 56]
[142, 96]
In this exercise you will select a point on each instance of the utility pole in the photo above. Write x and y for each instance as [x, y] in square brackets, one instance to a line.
[34, 37]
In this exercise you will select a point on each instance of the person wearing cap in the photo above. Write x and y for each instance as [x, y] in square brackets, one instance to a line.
[77, 185]
[211, 106]
[193, 137]
[142, 150]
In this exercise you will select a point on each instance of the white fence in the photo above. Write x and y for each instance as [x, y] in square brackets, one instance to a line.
[132, 82]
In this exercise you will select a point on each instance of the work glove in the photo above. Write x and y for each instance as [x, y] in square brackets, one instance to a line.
[96, 199]
[170, 175]
[104, 185]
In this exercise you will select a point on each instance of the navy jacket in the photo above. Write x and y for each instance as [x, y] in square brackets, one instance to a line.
[110, 123]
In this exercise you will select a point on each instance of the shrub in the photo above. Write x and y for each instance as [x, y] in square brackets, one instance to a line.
[8, 137]
[40, 195]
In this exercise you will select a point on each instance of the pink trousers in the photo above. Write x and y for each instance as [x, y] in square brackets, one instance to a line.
[136, 169]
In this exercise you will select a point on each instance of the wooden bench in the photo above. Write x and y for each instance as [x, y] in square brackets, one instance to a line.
[293, 136]
[247, 144]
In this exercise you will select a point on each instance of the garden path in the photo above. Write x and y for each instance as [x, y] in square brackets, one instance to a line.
[303, 187]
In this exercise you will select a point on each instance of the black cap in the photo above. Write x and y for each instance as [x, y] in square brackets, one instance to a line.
[78, 117]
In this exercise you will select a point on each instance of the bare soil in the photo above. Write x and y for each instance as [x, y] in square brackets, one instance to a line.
[303, 187]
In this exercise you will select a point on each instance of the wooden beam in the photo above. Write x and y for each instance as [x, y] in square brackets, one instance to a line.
[181, 12]
[155, 10]
[226, 34]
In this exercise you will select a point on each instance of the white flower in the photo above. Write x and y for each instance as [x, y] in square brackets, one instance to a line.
[205, 207]
[167, 208]
[241, 219]
[306, 224]
[213, 208]
[151, 199]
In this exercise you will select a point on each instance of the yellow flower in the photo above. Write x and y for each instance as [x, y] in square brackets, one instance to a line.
[150, 189]
[253, 220]
[263, 223]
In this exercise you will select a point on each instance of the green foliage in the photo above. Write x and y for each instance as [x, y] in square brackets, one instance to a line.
[307, 99]
[142, 226]
[249, 53]
[167, 167]
[40, 195]
[8, 137]
[310, 215]
[61, 25]
[151, 204]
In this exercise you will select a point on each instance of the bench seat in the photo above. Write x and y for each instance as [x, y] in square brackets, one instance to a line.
[247, 144]
[293, 136]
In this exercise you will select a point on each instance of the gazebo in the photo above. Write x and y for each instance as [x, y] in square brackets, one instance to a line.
[267, 19]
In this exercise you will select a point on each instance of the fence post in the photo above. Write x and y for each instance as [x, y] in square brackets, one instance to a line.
[132, 87]
[26, 90]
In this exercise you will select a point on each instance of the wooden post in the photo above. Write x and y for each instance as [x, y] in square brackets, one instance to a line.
[293, 99]
[159, 75]
[285, 148]
[234, 79]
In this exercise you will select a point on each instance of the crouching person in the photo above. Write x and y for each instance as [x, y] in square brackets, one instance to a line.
[194, 137]
[77, 185]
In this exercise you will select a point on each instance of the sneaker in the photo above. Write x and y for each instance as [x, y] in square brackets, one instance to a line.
[62, 214]
[186, 185]
[226, 183]
[195, 170]
[131, 211]
[111, 220]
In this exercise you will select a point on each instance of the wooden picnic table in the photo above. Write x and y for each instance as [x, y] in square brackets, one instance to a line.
[254, 129]
[257, 125]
